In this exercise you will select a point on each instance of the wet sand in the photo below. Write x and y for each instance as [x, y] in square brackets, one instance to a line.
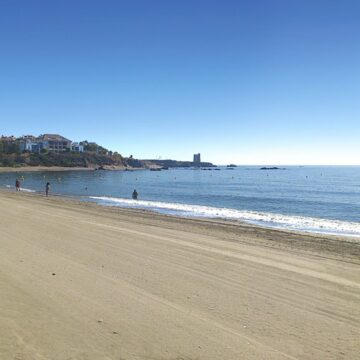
[78, 281]
[21, 169]
[25, 169]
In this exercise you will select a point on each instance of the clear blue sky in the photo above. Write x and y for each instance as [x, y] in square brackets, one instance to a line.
[249, 82]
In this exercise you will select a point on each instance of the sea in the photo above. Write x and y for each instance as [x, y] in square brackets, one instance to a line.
[312, 199]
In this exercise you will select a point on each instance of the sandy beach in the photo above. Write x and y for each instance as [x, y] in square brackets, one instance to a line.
[22, 169]
[78, 281]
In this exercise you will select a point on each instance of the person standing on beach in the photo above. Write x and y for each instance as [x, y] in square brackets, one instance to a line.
[47, 188]
[17, 185]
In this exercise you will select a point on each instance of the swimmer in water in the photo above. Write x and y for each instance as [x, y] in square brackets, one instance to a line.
[135, 195]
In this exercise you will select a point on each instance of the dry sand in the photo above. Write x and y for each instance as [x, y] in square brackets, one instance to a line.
[82, 282]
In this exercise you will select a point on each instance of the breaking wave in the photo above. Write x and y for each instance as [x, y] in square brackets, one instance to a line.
[21, 189]
[289, 222]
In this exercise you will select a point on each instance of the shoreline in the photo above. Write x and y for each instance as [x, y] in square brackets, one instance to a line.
[77, 282]
[313, 239]
[42, 168]
[158, 209]
[236, 222]
[62, 168]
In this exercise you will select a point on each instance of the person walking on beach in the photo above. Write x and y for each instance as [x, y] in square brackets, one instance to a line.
[17, 185]
[47, 188]
[134, 195]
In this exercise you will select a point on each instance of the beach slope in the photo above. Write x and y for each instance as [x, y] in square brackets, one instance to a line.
[78, 281]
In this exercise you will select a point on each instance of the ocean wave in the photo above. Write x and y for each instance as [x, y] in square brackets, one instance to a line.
[289, 222]
[21, 189]
[27, 190]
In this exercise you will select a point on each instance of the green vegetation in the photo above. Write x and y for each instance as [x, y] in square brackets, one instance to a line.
[94, 156]
[93, 147]
[65, 159]
[9, 147]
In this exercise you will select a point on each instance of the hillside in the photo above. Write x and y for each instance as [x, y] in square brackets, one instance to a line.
[65, 159]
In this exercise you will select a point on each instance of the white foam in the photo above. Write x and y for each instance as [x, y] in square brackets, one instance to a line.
[22, 189]
[27, 190]
[299, 223]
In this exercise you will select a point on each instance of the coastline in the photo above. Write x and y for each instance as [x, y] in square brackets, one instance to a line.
[280, 202]
[61, 168]
[41, 168]
[79, 280]
[331, 244]
[137, 207]
[291, 223]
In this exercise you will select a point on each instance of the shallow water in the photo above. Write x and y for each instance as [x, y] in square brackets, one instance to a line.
[316, 199]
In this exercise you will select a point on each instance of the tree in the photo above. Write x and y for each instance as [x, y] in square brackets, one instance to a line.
[12, 148]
